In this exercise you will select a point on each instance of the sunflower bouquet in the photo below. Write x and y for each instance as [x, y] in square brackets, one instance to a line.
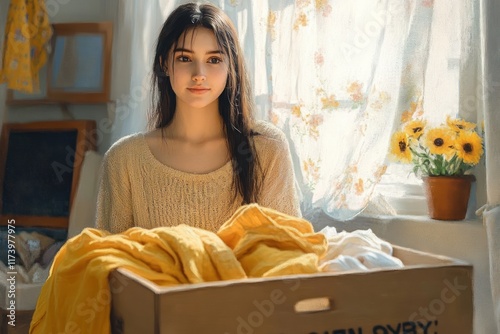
[447, 150]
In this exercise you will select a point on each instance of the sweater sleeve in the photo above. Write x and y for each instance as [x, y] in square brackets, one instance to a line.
[278, 189]
[114, 202]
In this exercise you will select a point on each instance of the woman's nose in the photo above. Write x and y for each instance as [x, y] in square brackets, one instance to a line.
[199, 73]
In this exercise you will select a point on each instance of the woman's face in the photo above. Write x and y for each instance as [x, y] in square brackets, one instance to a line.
[198, 70]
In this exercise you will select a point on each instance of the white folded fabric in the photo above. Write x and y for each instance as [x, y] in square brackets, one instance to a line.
[359, 250]
[342, 263]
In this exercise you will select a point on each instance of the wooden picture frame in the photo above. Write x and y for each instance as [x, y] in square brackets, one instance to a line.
[40, 164]
[78, 69]
[85, 74]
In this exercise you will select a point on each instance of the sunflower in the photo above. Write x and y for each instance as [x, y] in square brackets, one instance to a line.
[469, 147]
[440, 141]
[415, 128]
[400, 147]
[459, 124]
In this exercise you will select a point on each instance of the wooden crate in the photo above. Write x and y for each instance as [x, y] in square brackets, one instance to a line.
[431, 294]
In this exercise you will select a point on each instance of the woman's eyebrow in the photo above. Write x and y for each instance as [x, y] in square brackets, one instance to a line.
[190, 51]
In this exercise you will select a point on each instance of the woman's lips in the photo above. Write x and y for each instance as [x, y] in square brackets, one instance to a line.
[198, 90]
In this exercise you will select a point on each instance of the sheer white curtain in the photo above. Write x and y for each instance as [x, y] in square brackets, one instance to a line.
[344, 72]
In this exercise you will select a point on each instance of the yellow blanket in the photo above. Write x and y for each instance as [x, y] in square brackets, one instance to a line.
[266, 242]
[269, 243]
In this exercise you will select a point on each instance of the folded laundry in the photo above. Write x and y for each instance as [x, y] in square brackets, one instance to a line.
[357, 250]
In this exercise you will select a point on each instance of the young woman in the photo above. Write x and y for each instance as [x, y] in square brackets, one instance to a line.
[205, 156]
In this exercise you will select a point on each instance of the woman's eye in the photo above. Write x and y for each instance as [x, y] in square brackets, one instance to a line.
[215, 60]
[183, 59]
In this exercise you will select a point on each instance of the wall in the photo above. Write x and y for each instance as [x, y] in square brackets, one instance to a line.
[61, 11]
[465, 240]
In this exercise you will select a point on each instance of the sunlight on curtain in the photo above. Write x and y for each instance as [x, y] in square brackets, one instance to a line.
[337, 76]
[343, 73]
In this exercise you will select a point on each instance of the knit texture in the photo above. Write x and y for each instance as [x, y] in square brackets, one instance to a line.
[138, 190]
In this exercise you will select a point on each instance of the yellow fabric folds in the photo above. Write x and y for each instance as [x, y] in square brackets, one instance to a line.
[165, 256]
[260, 242]
[27, 34]
[269, 243]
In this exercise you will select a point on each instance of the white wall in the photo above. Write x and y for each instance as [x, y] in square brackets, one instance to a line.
[61, 11]
[76, 10]
[465, 240]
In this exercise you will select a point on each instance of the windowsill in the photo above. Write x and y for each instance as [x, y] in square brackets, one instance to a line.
[419, 219]
[364, 221]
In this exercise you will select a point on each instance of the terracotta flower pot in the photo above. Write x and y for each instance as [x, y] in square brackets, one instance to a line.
[448, 196]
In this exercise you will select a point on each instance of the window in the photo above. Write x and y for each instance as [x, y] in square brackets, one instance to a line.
[448, 55]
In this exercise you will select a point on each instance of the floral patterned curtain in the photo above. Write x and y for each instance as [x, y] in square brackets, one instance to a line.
[337, 76]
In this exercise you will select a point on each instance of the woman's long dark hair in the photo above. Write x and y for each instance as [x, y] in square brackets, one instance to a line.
[235, 102]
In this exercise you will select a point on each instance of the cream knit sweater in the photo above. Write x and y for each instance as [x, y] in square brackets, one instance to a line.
[137, 190]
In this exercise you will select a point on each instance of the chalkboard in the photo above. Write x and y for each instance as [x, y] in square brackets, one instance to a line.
[40, 166]
[39, 173]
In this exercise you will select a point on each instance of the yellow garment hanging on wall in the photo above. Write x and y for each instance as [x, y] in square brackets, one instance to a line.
[27, 34]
